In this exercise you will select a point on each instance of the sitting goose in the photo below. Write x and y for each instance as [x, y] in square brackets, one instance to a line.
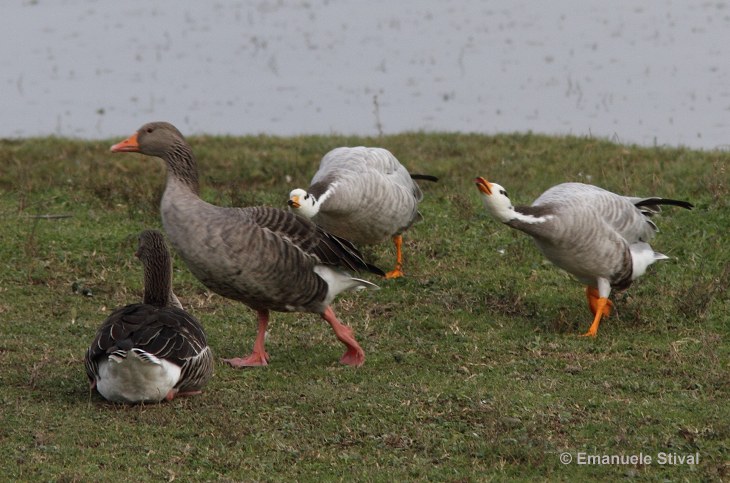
[599, 237]
[154, 350]
[265, 257]
[362, 194]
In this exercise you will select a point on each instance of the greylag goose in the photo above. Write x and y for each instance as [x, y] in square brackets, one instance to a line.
[265, 257]
[362, 194]
[154, 350]
[599, 237]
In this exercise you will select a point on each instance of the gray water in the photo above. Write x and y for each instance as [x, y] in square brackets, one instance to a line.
[649, 72]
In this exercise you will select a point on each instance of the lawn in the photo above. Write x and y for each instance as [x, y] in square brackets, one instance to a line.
[474, 371]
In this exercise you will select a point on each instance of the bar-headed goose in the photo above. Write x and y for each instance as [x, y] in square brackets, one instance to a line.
[154, 350]
[267, 258]
[599, 237]
[362, 194]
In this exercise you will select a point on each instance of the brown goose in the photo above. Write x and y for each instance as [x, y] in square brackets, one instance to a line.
[154, 350]
[363, 194]
[599, 237]
[267, 258]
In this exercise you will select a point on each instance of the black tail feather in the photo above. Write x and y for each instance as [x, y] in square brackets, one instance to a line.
[424, 177]
[652, 204]
[340, 251]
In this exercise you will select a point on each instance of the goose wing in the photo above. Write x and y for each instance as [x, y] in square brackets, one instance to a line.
[165, 332]
[591, 206]
[366, 193]
[302, 234]
[359, 159]
[361, 174]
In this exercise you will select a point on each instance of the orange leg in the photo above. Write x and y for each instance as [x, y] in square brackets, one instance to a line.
[258, 357]
[593, 298]
[398, 270]
[602, 307]
[354, 356]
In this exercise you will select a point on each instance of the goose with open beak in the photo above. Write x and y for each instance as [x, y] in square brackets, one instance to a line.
[599, 237]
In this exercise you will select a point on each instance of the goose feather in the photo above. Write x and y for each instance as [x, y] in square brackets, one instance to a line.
[153, 350]
[598, 236]
[364, 194]
[265, 257]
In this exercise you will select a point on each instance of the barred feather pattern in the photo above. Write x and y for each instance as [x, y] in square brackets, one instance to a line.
[262, 256]
[366, 194]
[167, 333]
[155, 257]
[158, 329]
[588, 230]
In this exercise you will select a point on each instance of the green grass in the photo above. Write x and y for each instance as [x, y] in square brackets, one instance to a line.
[474, 368]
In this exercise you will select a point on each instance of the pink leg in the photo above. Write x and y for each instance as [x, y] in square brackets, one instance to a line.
[258, 357]
[354, 356]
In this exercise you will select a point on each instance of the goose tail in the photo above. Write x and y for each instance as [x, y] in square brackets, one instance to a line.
[424, 177]
[650, 206]
[344, 253]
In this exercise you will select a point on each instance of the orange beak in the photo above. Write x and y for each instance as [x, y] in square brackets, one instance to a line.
[484, 186]
[129, 145]
[294, 202]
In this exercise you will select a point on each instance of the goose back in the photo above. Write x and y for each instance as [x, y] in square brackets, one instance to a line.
[262, 256]
[588, 231]
[167, 333]
[143, 351]
[366, 194]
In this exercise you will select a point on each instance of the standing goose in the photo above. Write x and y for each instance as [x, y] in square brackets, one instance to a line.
[153, 350]
[599, 237]
[265, 257]
[362, 194]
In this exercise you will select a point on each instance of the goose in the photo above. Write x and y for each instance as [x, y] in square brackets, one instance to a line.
[154, 350]
[265, 257]
[599, 237]
[363, 194]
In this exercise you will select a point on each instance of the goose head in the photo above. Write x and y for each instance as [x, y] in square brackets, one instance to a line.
[306, 204]
[495, 200]
[163, 140]
[152, 139]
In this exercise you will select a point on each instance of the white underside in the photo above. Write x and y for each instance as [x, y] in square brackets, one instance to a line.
[642, 255]
[338, 281]
[138, 377]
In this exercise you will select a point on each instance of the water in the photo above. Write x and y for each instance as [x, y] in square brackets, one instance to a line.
[653, 72]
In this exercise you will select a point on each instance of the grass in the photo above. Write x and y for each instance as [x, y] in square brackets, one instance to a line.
[474, 369]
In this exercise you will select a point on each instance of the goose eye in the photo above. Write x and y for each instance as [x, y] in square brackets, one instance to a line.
[503, 192]
[149, 130]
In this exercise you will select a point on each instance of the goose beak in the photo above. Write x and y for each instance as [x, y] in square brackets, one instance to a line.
[484, 186]
[129, 145]
[294, 202]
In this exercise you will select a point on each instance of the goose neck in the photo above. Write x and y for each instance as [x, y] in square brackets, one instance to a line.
[182, 166]
[158, 281]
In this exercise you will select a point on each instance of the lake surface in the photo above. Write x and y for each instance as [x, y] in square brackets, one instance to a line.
[650, 72]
